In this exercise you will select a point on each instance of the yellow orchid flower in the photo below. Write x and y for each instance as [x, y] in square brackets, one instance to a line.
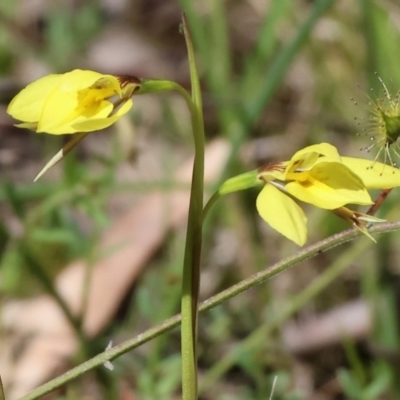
[319, 176]
[77, 101]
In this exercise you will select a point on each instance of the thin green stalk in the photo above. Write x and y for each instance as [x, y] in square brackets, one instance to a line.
[191, 263]
[148, 86]
[210, 203]
[197, 27]
[167, 325]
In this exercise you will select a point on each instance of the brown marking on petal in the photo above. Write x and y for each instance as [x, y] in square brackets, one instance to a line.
[126, 79]
[271, 167]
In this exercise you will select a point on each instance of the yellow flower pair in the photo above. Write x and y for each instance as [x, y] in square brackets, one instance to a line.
[85, 101]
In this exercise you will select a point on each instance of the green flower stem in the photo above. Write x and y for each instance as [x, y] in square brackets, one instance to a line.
[149, 86]
[231, 185]
[259, 277]
[191, 264]
[210, 203]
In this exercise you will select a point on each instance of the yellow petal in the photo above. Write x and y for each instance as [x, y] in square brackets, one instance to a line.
[305, 159]
[103, 88]
[330, 185]
[324, 149]
[123, 109]
[114, 83]
[27, 105]
[63, 108]
[79, 98]
[374, 175]
[95, 124]
[59, 110]
[282, 214]
[79, 79]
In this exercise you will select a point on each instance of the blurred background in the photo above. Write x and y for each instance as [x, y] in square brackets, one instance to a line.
[92, 252]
